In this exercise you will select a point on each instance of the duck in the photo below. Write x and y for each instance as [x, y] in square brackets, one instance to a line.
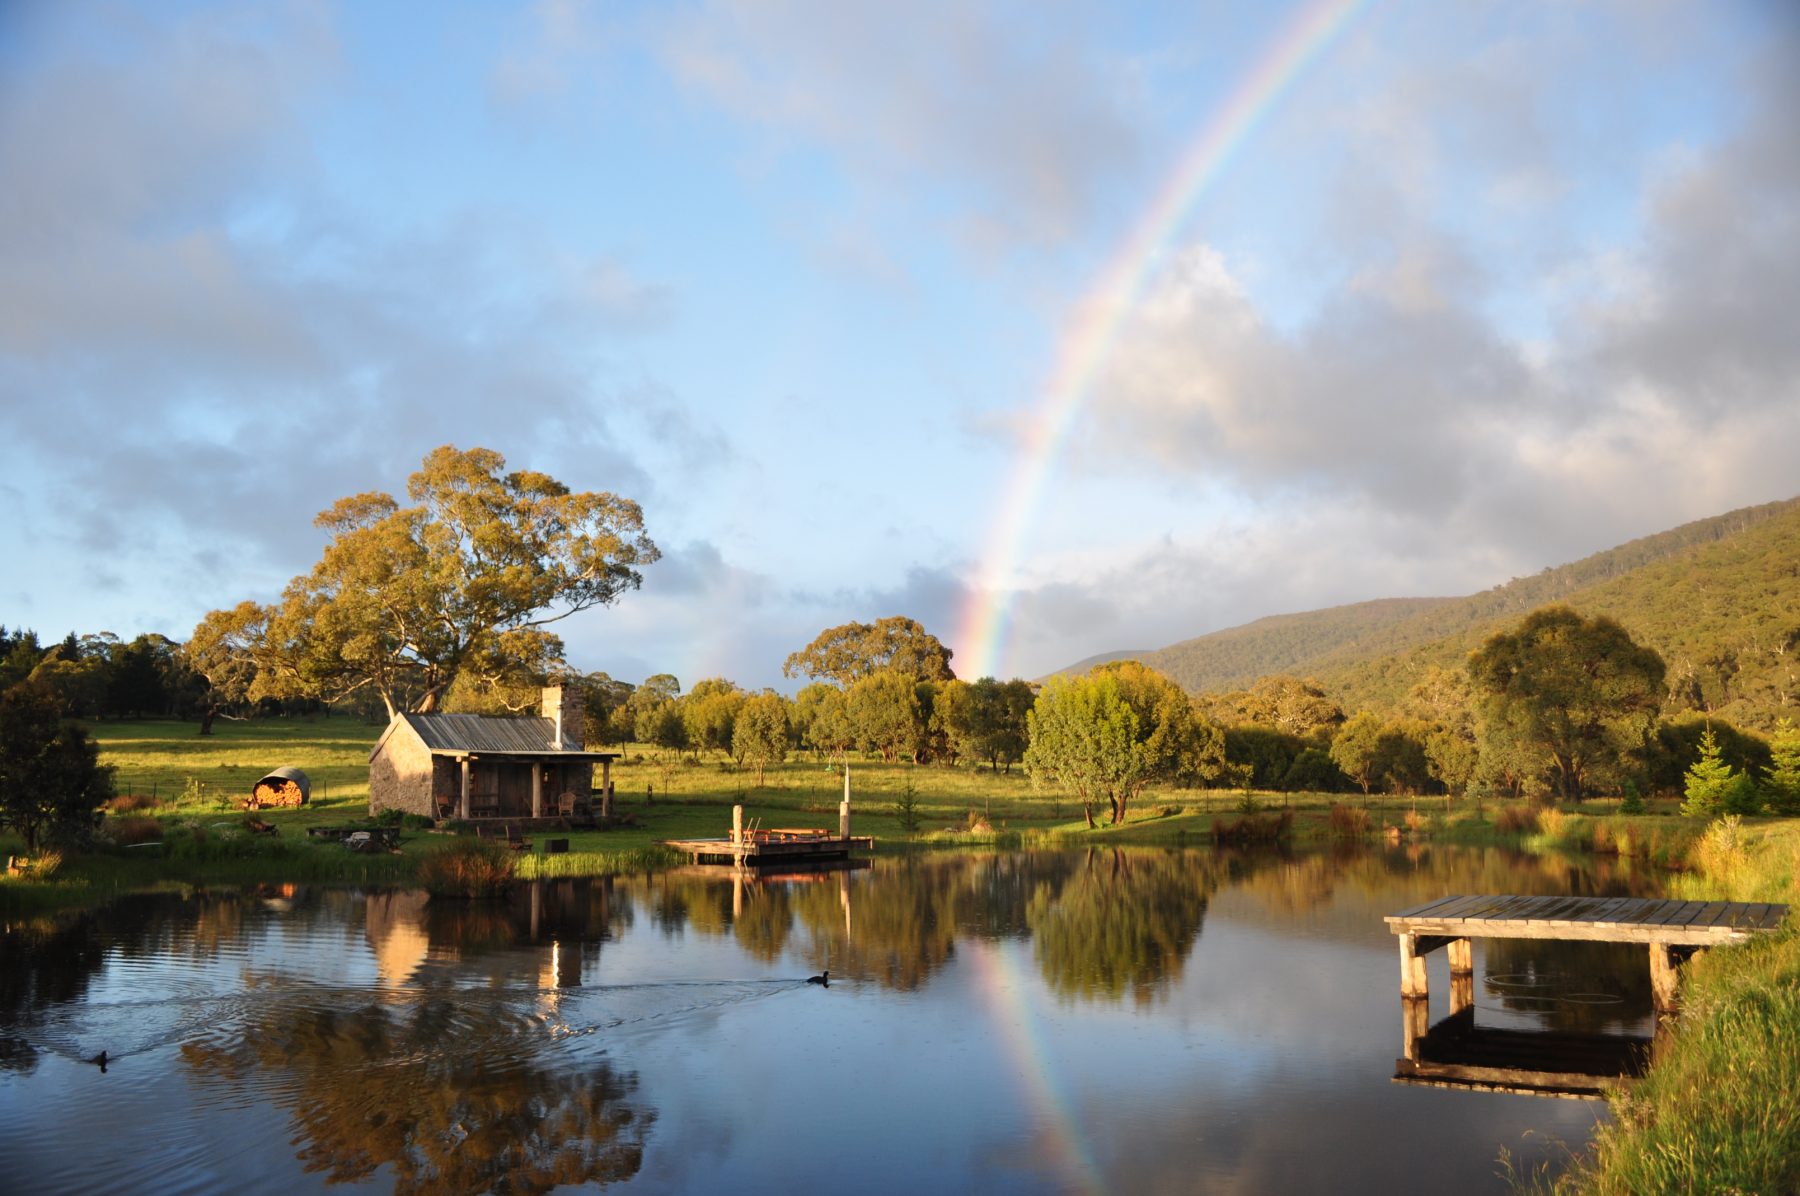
[822, 979]
[99, 1060]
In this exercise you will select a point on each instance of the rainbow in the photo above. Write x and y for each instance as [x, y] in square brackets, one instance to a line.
[984, 624]
[1003, 982]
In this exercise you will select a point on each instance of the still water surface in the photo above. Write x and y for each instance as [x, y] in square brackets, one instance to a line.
[1094, 1021]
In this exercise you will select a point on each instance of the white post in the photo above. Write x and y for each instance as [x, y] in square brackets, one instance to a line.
[737, 835]
[844, 809]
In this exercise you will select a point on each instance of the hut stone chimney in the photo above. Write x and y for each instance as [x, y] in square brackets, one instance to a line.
[553, 710]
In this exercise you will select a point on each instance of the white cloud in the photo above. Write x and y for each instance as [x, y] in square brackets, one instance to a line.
[994, 105]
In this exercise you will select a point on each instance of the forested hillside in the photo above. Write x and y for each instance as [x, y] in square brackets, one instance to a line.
[1718, 598]
[1236, 657]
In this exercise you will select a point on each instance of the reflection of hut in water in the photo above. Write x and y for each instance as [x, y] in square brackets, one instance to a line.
[394, 924]
[284, 786]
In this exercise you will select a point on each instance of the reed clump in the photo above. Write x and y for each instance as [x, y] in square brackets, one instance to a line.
[1348, 822]
[1516, 820]
[127, 803]
[1254, 828]
[467, 868]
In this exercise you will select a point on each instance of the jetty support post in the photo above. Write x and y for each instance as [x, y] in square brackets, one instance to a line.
[737, 836]
[463, 801]
[1415, 1023]
[844, 807]
[1665, 979]
[1462, 974]
[1413, 949]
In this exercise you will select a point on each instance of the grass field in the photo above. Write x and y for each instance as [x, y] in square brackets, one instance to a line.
[188, 790]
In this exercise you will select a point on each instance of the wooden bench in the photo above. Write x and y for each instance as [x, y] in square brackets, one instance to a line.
[509, 834]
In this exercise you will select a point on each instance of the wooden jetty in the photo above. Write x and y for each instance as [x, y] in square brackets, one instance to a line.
[754, 847]
[1456, 1053]
[1673, 930]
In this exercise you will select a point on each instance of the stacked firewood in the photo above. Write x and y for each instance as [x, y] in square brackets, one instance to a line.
[270, 792]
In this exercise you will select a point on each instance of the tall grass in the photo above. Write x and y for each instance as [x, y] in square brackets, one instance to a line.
[467, 868]
[1714, 1113]
[595, 863]
[1348, 822]
[1516, 820]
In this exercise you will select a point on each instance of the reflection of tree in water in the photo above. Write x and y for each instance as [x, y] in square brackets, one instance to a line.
[901, 925]
[51, 963]
[1124, 922]
[762, 929]
[1414, 873]
[452, 1101]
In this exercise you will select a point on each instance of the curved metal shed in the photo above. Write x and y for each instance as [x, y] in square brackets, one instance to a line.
[275, 785]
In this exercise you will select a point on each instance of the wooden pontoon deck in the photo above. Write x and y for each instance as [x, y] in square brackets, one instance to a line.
[762, 849]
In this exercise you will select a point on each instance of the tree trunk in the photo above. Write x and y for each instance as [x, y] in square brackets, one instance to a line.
[1087, 811]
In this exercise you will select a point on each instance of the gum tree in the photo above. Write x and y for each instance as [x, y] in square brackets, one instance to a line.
[462, 583]
[1572, 695]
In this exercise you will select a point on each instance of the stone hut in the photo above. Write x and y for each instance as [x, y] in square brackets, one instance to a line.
[475, 766]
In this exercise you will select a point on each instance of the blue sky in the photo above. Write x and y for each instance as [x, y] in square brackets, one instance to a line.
[1486, 288]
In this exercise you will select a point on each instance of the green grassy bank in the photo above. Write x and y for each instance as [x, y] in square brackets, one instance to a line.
[178, 819]
[1716, 1112]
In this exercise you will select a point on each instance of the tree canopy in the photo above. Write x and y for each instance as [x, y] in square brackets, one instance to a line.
[405, 600]
[51, 781]
[848, 653]
[1567, 694]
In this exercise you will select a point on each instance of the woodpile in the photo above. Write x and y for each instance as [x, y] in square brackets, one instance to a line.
[285, 787]
[280, 793]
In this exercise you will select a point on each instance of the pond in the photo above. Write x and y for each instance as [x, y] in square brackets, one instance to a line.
[1090, 1021]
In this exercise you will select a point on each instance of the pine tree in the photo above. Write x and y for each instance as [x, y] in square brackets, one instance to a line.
[1709, 779]
[1784, 768]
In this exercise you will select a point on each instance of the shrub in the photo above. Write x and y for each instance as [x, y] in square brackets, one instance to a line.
[1516, 820]
[1349, 822]
[1720, 852]
[467, 868]
[1634, 801]
[1551, 823]
[417, 822]
[392, 816]
[1254, 828]
[125, 803]
[1417, 823]
[134, 829]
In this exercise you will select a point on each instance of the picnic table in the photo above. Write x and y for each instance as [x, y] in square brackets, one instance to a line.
[383, 836]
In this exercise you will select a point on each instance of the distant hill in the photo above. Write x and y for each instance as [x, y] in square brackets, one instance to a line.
[1719, 598]
[1237, 656]
[1094, 662]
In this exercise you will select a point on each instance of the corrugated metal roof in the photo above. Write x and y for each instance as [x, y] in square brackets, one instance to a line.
[482, 733]
[289, 772]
